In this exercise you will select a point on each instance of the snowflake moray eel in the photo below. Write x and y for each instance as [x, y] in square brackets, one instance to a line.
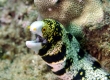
[62, 52]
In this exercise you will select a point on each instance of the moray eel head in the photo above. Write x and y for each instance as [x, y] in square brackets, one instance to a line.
[46, 31]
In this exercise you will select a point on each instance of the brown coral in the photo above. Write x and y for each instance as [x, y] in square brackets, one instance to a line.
[81, 12]
[98, 41]
[61, 10]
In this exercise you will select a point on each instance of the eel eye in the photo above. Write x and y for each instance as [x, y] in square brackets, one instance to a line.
[43, 29]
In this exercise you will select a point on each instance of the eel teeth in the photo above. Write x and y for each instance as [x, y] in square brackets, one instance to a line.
[40, 39]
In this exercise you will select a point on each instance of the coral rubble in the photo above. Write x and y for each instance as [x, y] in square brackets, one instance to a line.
[16, 60]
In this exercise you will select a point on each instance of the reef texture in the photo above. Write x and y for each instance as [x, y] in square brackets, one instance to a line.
[81, 12]
[97, 41]
[62, 10]
[16, 60]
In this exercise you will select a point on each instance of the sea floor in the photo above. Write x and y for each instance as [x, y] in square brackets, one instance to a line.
[17, 62]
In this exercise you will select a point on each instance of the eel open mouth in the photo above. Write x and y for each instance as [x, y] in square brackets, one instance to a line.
[40, 39]
[36, 29]
[36, 44]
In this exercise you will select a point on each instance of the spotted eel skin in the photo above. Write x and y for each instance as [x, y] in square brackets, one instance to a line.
[62, 53]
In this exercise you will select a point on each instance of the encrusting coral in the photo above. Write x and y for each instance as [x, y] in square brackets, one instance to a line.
[98, 41]
[80, 14]
[62, 10]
